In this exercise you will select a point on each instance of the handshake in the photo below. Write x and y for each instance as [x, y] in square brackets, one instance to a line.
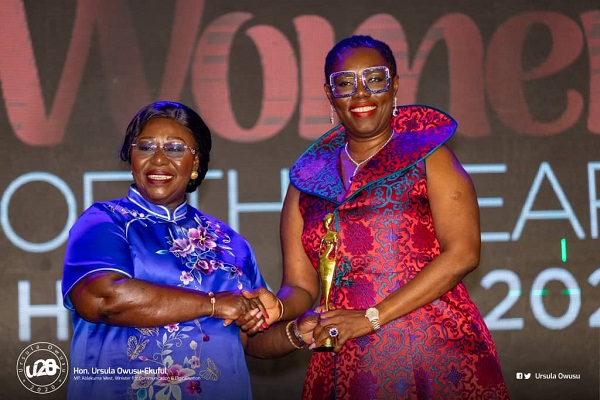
[262, 308]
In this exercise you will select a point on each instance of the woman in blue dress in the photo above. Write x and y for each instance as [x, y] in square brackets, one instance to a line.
[155, 284]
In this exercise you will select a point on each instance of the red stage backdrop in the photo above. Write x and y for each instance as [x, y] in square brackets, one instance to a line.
[522, 77]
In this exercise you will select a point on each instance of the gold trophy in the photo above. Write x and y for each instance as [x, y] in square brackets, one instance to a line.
[326, 271]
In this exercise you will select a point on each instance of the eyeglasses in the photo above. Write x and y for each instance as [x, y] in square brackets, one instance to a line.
[173, 150]
[374, 79]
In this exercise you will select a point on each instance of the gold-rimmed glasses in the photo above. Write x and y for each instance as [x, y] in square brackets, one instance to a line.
[173, 150]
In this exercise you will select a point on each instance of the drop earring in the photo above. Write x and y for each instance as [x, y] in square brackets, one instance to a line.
[395, 112]
[193, 175]
[331, 115]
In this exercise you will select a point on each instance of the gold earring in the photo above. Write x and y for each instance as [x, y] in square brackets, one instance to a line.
[194, 175]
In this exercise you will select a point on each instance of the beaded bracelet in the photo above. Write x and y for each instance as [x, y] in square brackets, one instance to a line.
[289, 335]
[212, 301]
[280, 304]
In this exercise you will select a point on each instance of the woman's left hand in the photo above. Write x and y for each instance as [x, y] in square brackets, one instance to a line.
[349, 324]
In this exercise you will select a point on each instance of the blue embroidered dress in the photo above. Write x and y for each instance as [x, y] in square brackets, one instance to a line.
[198, 359]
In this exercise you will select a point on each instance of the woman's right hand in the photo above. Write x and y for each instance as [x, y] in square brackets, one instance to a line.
[270, 310]
[231, 306]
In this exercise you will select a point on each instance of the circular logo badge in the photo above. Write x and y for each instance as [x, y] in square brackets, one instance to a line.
[42, 367]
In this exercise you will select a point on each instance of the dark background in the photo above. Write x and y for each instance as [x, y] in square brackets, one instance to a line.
[130, 42]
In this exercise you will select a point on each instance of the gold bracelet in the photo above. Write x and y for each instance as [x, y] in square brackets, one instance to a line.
[280, 304]
[212, 301]
[289, 335]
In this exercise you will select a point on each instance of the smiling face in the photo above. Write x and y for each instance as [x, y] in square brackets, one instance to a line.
[365, 115]
[159, 179]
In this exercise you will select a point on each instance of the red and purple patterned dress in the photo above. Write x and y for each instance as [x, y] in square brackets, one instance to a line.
[442, 350]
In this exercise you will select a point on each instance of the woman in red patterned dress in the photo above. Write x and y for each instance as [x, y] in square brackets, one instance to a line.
[405, 219]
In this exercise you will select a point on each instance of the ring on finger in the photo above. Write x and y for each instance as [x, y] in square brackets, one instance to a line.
[333, 332]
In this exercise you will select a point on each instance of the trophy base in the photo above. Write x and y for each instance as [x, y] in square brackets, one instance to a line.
[323, 349]
[327, 346]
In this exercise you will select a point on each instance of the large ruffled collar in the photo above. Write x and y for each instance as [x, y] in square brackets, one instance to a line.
[418, 131]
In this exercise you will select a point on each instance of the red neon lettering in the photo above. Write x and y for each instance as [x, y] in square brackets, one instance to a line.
[210, 82]
[591, 25]
[505, 76]
[315, 38]
[127, 87]
[20, 81]
[121, 58]
[465, 50]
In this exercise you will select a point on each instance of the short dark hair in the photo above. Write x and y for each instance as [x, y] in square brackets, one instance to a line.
[358, 41]
[185, 117]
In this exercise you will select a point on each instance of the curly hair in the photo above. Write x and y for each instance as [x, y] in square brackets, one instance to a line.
[185, 117]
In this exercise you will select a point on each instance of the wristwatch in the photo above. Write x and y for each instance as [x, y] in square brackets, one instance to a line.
[372, 315]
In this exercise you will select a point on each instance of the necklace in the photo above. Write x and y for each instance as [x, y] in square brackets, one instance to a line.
[360, 164]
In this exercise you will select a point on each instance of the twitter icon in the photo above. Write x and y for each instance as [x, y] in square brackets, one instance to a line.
[523, 375]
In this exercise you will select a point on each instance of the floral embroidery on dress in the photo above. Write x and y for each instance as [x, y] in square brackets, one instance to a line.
[137, 215]
[201, 251]
[166, 379]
